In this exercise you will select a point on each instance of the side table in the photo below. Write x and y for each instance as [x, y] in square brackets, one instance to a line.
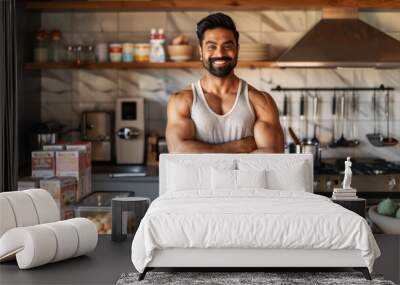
[127, 211]
[357, 205]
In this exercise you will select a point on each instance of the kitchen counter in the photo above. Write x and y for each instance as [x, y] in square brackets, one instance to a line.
[370, 177]
[138, 179]
[143, 172]
[109, 168]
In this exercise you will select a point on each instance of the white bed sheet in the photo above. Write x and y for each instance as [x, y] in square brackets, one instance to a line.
[252, 218]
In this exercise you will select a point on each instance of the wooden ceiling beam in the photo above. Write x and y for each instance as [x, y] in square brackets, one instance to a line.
[166, 5]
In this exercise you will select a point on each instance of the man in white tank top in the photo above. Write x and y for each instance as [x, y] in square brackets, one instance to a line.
[222, 113]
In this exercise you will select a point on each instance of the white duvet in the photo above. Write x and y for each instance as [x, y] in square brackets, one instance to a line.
[250, 219]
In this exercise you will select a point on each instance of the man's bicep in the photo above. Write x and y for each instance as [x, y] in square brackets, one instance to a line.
[182, 130]
[267, 129]
[268, 136]
[180, 126]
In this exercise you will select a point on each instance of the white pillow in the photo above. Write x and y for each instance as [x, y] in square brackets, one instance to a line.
[228, 179]
[223, 179]
[187, 175]
[251, 178]
[289, 175]
[293, 179]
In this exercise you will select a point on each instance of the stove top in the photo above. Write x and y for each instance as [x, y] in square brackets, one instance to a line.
[369, 175]
[359, 167]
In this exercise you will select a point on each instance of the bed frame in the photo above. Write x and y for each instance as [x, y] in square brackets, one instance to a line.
[249, 258]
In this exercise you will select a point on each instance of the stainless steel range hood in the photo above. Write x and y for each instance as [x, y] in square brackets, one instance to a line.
[340, 39]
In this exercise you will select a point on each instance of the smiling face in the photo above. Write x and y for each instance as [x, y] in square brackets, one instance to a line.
[219, 51]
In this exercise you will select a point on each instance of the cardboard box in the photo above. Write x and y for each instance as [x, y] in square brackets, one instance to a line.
[54, 147]
[74, 163]
[67, 213]
[79, 145]
[85, 147]
[28, 182]
[63, 190]
[84, 188]
[43, 164]
[70, 163]
[87, 183]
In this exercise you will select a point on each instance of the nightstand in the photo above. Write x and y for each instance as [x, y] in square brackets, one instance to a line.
[357, 205]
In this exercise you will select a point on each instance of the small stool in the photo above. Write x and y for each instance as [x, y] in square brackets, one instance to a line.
[127, 211]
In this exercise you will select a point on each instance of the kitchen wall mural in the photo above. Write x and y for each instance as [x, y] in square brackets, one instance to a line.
[66, 93]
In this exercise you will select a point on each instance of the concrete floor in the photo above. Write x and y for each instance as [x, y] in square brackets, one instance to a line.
[111, 259]
[102, 266]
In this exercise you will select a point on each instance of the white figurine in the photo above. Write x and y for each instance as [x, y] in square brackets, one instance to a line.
[347, 174]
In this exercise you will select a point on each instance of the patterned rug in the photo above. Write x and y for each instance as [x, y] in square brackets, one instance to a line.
[244, 278]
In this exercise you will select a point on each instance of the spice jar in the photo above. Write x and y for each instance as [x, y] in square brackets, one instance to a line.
[142, 52]
[41, 52]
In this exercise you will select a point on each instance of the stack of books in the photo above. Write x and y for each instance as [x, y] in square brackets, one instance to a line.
[344, 194]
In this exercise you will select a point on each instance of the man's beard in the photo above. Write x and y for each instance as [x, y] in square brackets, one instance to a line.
[220, 71]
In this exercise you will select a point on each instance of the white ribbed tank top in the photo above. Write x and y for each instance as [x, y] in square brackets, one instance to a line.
[213, 128]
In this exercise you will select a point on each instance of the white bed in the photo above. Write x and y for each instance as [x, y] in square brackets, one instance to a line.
[280, 225]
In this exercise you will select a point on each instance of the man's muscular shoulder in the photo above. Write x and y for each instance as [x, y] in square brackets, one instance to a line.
[182, 100]
[261, 101]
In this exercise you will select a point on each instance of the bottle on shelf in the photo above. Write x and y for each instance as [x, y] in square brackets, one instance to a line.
[157, 51]
[153, 35]
[56, 51]
[70, 53]
[89, 54]
[41, 49]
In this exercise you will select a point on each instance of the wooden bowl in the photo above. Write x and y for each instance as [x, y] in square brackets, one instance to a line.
[180, 52]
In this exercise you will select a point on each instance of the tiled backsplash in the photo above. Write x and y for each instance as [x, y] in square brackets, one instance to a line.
[66, 93]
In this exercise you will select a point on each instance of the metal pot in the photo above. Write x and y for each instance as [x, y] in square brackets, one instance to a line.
[313, 149]
[305, 147]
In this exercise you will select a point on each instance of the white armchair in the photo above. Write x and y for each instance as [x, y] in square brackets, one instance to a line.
[31, 230]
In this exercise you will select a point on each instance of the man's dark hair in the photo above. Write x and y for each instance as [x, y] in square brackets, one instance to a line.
[217, 20]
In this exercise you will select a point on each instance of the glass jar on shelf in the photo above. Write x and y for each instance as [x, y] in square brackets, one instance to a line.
[70, 57]
[41, 49]
[56, 47]
[89, 54]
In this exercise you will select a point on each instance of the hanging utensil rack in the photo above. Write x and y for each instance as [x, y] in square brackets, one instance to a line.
[341, 142]
[319, 89]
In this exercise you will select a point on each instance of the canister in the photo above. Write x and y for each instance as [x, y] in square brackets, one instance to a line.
[127, 52]
[102, 52]
[115, 52]
[142, 52]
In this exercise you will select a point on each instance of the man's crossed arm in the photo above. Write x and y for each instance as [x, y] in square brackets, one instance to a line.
[181, 133]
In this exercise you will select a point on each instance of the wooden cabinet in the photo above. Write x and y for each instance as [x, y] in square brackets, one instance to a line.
[357, 205]
[388, 264]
